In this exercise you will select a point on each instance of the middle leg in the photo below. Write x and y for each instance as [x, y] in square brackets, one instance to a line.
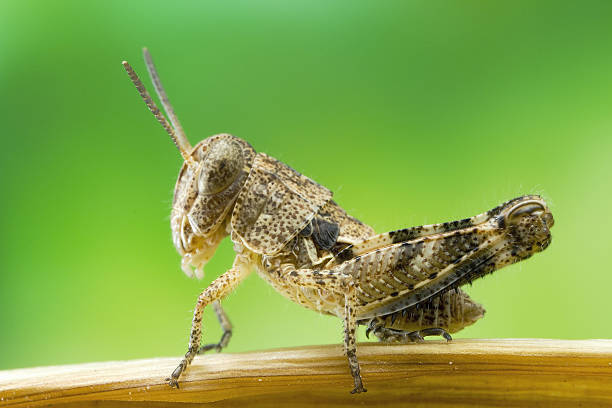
[337, 282]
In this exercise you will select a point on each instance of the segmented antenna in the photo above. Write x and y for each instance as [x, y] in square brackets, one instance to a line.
[163, 97]
[181, 143]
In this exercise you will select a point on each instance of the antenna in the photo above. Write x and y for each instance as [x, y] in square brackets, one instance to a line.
[181, 143]
[161, 94]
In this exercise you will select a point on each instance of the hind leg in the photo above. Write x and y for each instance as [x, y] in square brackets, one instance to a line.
[398, 336]
[444, 314]
[388, 335]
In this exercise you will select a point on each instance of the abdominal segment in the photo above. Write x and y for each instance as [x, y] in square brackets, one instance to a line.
[452, 311]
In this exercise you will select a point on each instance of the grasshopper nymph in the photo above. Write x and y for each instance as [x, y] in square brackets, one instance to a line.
[403, 285]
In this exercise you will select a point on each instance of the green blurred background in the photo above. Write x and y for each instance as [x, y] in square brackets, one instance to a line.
[411, 112]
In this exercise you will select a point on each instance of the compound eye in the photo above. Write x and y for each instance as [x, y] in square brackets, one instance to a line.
[526, 208]
[221, 165]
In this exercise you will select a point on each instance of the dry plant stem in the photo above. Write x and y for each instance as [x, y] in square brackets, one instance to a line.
[464, 373]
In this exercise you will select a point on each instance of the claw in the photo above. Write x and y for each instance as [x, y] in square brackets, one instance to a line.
[358, 389]
[437, 331]
[173, 379]
[415, 337]
[172, 382]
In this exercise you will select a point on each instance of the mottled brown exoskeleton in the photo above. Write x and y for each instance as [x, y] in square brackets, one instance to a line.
[403, 285]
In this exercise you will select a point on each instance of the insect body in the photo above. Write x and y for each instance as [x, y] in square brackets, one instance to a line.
[403, 285]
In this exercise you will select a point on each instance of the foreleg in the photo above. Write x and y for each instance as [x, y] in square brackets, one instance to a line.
[218, 289]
